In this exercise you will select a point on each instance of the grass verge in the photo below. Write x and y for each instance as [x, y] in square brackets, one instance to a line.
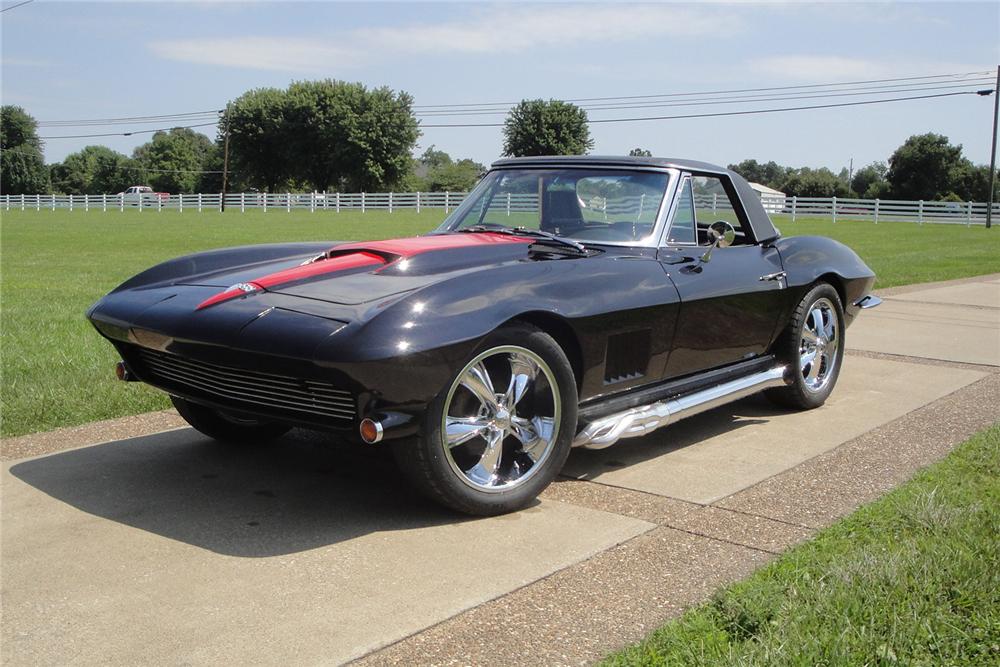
[53, 264]
[911, 579]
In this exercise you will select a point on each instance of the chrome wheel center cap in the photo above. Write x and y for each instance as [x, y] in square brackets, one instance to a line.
[502, 418]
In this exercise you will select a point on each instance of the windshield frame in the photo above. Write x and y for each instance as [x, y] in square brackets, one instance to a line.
[650, 241]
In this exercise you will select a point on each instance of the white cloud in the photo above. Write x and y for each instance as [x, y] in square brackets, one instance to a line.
[502, 29]
[268, 53]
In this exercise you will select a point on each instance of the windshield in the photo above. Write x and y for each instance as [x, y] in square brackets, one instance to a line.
[595, 205]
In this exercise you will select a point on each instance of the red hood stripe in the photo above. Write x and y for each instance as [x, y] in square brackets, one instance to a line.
[357, 255]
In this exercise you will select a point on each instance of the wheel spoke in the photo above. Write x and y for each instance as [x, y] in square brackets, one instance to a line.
[806, 359]
[534, 434]
[830, 329]
[485, 471]
[459, 430]
[809, 336]
[816, 315]
[522, 374]
[814, 367]
[477, 380]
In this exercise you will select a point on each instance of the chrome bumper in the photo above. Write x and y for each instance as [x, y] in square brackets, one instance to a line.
[868, 301]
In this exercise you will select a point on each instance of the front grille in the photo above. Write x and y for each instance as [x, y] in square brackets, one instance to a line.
[249, 390]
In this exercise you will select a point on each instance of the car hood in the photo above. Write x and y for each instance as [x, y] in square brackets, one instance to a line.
[357, 273]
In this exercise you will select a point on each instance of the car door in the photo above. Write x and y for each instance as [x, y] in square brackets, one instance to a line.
[731, 299]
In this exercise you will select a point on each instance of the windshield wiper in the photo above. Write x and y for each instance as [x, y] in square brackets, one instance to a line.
[539, 234]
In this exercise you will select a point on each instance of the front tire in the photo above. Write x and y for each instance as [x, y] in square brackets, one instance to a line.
[500, 431]
[225, 427]
[813, 344]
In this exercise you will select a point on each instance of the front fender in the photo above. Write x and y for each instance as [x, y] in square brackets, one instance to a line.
[807, 259]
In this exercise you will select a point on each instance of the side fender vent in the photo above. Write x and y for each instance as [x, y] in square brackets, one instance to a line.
[627, 356]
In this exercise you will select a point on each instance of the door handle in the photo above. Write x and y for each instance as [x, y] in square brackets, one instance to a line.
[777, 275]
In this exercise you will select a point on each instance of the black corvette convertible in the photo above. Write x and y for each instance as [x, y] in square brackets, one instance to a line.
[569, 301]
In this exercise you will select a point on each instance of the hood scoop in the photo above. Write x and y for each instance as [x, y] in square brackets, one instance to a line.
[312, 269]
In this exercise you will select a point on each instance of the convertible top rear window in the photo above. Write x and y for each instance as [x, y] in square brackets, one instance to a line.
[589, 205]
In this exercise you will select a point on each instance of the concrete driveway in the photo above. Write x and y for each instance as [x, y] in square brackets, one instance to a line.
[165, 547]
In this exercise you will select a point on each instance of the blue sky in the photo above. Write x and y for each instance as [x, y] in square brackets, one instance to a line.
[69, 60]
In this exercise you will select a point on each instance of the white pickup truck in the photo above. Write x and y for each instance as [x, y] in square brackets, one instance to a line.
[143, 195]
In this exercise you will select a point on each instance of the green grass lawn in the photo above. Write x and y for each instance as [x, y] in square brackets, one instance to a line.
[53, 264]
[912, 579]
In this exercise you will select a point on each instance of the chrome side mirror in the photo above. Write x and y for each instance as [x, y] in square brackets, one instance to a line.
[721, 234]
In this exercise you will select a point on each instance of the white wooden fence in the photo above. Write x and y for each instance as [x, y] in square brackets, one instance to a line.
[835, 208]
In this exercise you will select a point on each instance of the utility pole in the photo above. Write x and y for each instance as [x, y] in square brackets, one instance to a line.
[993, 151]
[225, 164]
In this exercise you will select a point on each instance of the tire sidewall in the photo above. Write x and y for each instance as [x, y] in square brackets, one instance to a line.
[807, 396]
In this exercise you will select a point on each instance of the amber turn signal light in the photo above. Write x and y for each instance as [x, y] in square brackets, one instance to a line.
[371, 431]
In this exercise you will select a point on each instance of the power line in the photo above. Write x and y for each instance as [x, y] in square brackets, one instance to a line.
[740, 113]
[959, 79]
[191, 115]
[723, 92]
[127, 134]
[20, 4]
[734, 100]
[135, 167]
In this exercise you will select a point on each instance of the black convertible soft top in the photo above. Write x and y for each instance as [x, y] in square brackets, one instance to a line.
[763, 228]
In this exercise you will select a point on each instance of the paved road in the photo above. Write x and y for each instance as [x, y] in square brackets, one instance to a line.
[161, 546]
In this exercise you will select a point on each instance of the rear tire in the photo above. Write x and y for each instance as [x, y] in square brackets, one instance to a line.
[228, 428]
[499, 432]
[813, 345]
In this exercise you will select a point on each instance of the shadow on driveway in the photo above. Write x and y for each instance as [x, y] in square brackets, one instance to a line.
[300, 492]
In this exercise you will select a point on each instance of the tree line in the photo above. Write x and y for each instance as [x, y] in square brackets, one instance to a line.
[925, 166]
[332, 135]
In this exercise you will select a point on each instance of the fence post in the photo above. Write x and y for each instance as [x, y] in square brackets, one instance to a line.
[38, 202]
[222, 204]
[86, 202]
[104, 202]
[71, 203]
[338, 201]
[243, 202]
[180, 202]
[795, 201]
[833, 205]
[22, 202]
[418, 202]
[715, 201]
[920, 213]
[142, 201]
[265, 195]
[312, 202]
[446, 194]
[288, 202]
[390, 202]
[121, 204]
[876, 210]
[362, 201]
[968, 213]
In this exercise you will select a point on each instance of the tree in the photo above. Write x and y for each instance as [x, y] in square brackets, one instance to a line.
[383, 132]
[435, 171]
[868, 181]
[93, 170]
[173, 161]
[924, 167]
[259, 146]
[770, 174]
[822, 182]
[640, 152]
[324, 133]
[537, 127]
[971, 182]
[22, 167]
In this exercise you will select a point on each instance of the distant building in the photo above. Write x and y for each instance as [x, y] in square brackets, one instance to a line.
[773, 200]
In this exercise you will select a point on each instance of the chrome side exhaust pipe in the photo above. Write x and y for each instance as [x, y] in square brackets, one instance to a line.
[638, 421]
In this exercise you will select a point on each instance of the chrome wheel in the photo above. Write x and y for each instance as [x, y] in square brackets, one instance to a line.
[819, 345]
[501, 418]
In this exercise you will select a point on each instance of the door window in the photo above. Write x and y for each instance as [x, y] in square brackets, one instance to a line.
[713, 202]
